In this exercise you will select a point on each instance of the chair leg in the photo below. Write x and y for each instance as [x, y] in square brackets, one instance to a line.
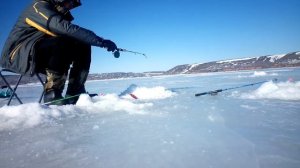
[43, 83]
[13, 90]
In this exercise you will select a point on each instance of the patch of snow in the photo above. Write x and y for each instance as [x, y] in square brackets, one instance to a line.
[293, 61]
[273, 58]
[280, 91]
[259, 73]
[185, 71]
[234, 60]
[33, 114]
[194, 65]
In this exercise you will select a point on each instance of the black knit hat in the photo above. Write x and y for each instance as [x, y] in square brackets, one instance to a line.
[76, 3]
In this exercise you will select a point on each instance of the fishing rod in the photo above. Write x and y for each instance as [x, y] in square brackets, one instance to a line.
[128, 91]
[117, 53]
[215, 92]
[67, 98]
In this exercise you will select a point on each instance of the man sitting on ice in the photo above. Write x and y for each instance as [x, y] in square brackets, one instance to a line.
[44, 40]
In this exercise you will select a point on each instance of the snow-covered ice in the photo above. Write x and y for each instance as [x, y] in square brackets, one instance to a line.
[167, 126]
[282, 91]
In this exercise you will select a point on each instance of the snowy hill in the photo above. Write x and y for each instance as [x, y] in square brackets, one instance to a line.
[262, 62]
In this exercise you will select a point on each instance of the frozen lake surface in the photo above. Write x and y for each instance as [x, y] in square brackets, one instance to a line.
[166, 127]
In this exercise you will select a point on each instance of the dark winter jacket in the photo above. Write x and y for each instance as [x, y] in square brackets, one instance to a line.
[39, 20]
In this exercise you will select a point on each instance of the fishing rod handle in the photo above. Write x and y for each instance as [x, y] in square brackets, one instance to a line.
[201, 94]
[214, 92]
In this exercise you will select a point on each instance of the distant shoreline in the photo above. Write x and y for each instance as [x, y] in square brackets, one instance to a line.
[290, 60]
[32, 81]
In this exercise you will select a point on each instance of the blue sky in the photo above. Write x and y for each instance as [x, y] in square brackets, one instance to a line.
[174, 32]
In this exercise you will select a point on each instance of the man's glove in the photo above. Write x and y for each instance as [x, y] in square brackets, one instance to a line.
[109, 45]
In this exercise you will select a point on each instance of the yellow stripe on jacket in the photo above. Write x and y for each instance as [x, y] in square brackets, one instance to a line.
[40, 28]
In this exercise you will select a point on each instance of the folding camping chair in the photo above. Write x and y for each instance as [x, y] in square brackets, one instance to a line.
[13, 89]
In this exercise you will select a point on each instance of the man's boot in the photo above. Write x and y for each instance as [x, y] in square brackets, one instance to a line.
[54, 88]
[76, 83]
